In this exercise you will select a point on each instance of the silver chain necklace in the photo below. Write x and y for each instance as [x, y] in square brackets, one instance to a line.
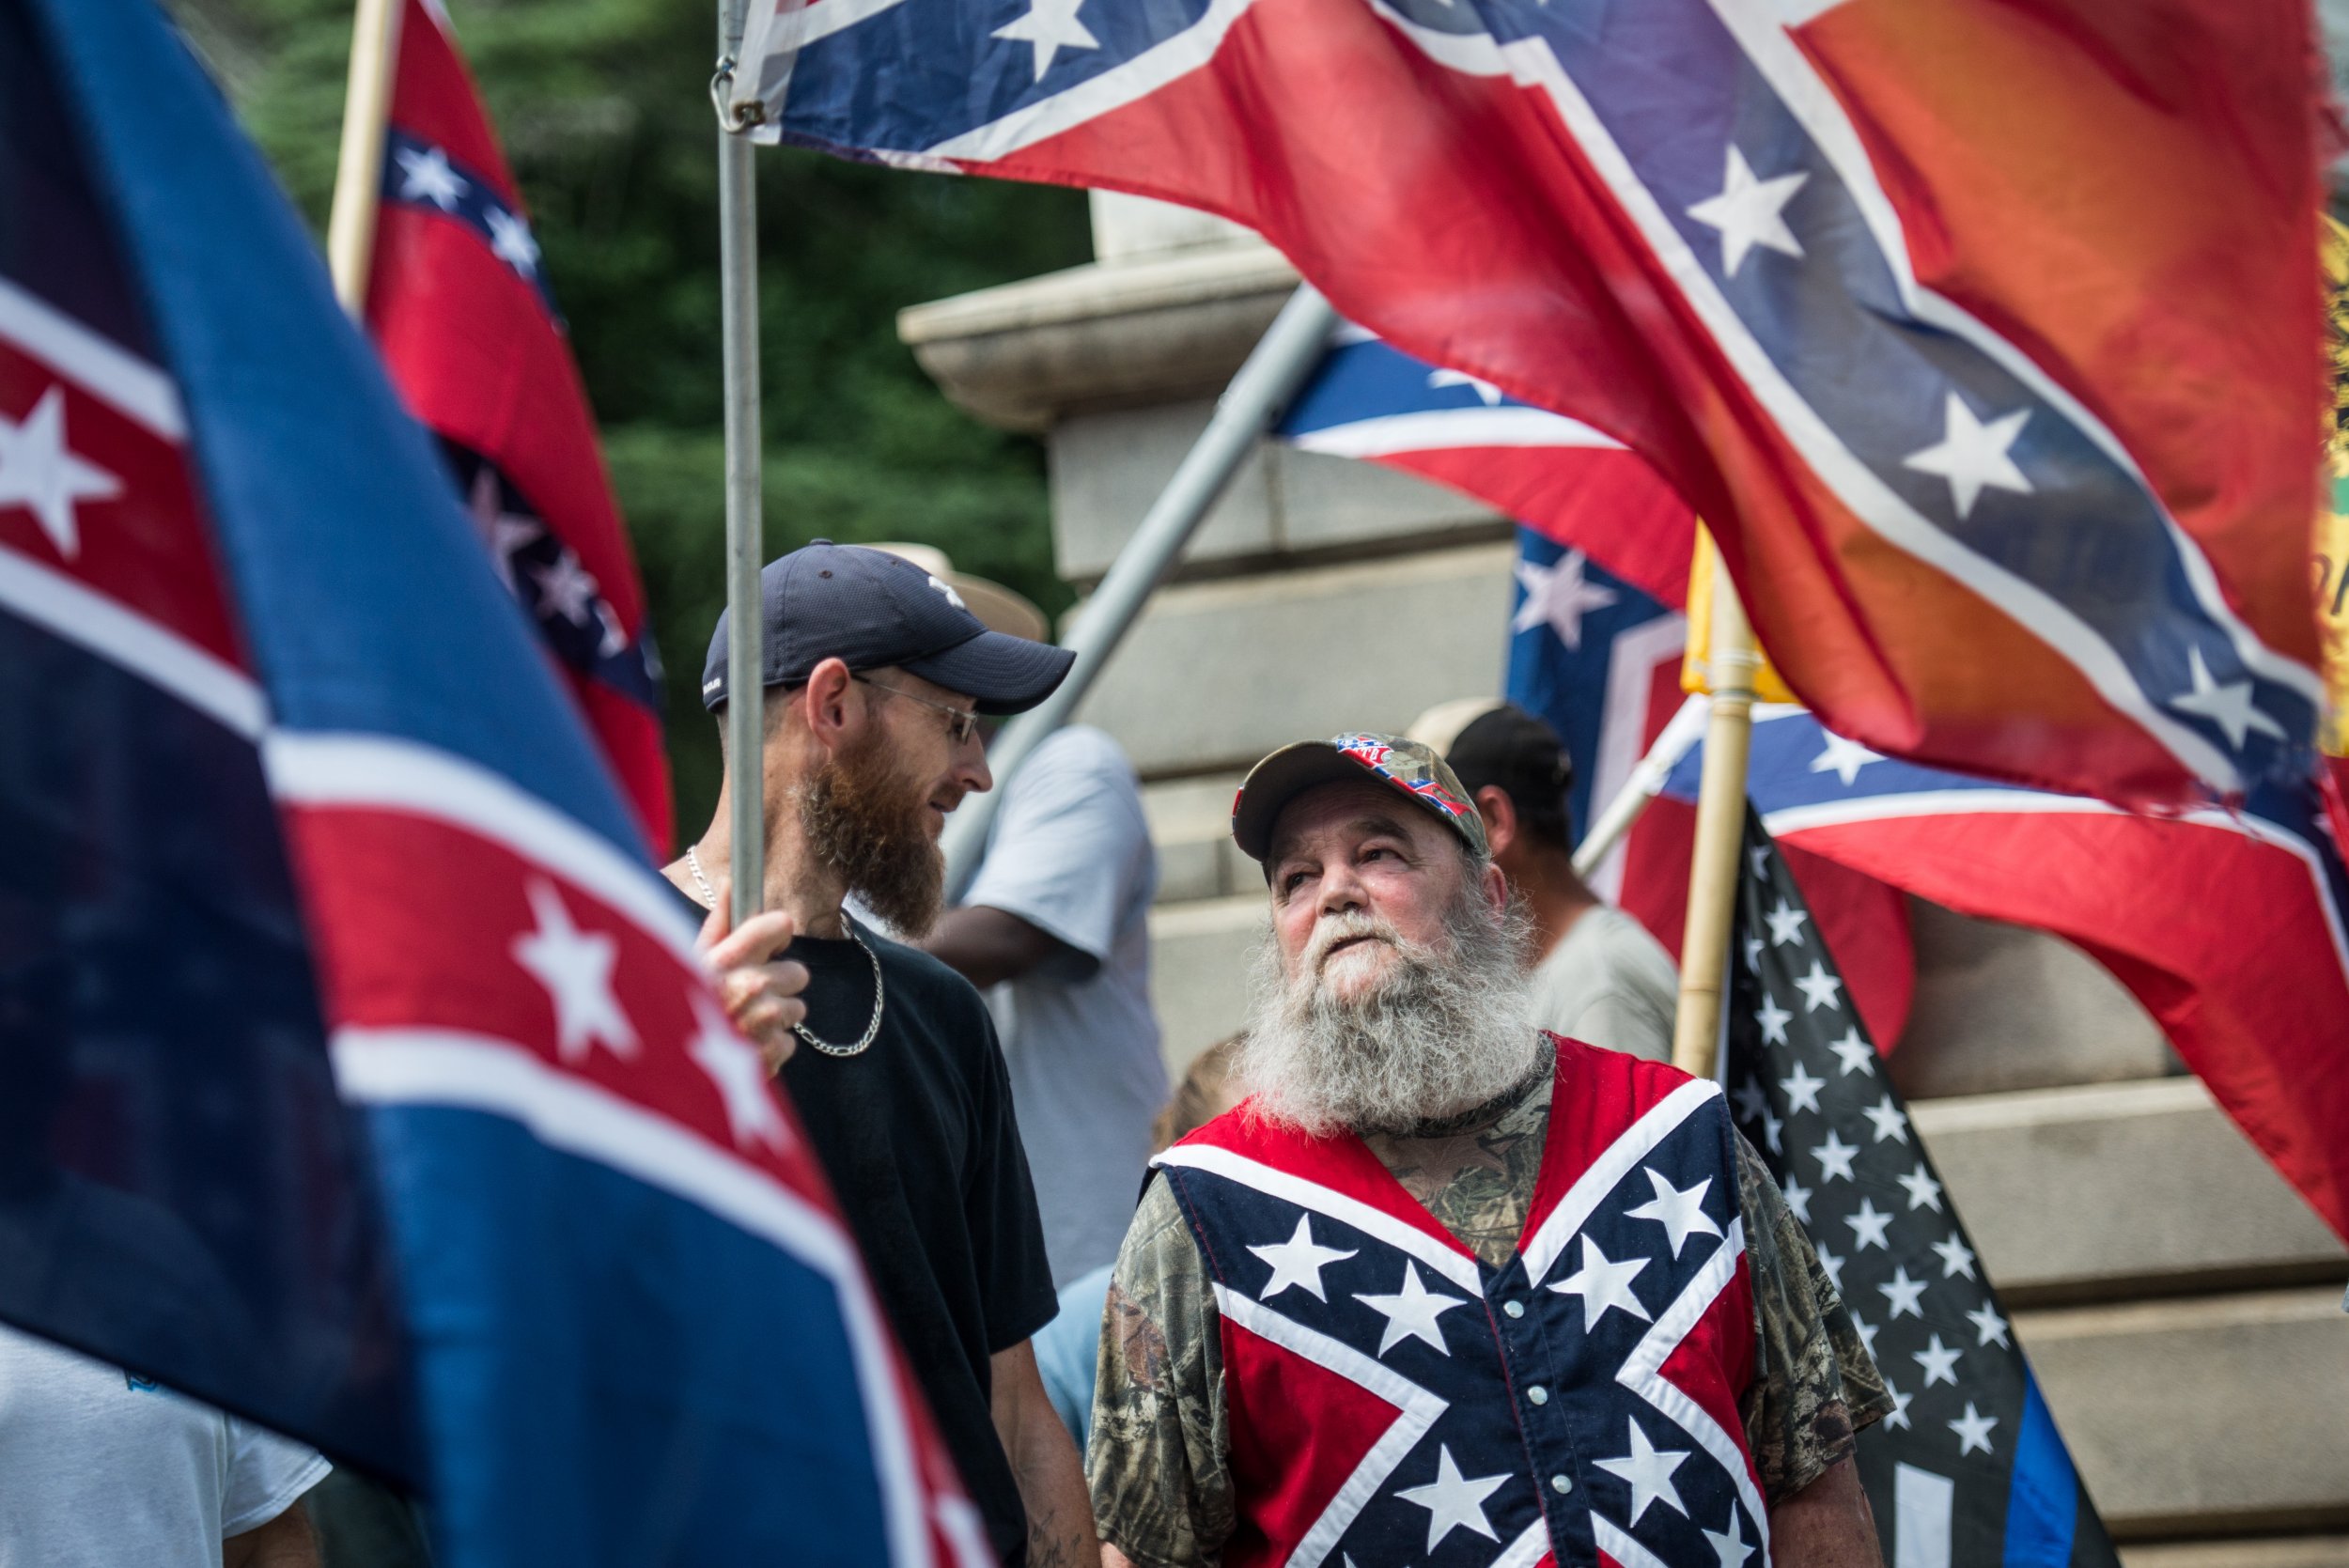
[872, 1031]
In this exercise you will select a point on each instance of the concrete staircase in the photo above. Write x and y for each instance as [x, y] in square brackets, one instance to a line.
[2183, 1308]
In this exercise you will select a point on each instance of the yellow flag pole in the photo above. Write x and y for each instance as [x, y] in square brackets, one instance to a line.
[359, 171]
[1732, 662]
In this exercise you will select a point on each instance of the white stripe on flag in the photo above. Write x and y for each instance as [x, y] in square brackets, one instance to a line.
[1922, 1503]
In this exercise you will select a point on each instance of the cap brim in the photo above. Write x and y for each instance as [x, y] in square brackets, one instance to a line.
[1000, 675]
[1281, 778]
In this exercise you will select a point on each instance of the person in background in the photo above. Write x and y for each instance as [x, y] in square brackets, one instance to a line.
[1598, 976]
[1068, 1350]
[99, 1468]
[875, 674]
[1056, 929]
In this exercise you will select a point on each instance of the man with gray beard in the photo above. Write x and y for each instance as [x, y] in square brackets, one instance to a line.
[1447, 1289]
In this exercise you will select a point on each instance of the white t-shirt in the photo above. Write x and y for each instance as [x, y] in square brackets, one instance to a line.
[1608, 982]
[99, 1469]
[1070, 854]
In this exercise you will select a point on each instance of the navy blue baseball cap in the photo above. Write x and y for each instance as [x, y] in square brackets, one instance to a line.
[874, 610]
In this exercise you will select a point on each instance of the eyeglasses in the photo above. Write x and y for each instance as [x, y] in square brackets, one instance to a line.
[961, 723]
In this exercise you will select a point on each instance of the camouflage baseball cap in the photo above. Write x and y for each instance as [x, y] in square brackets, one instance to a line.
[1406, 766]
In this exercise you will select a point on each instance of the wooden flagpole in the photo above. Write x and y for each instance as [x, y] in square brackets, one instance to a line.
[1732, 662]
[359, 171]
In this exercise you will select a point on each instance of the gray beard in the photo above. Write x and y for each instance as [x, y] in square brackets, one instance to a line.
[1449, 1027]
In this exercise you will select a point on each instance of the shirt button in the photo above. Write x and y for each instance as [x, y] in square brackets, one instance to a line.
[1561, 1485]
[1538, 1395]
[1515, 1309]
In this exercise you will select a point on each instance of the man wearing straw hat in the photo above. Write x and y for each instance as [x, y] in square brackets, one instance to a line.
[1446, 1287]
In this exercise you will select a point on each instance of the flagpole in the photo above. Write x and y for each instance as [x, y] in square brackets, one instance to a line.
[1646, 782]
[738, 289]
[1732, 662]
[359, 170]
[1257, 394]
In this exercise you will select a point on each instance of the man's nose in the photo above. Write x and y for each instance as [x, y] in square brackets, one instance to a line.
[1339, 890]
[971, 770]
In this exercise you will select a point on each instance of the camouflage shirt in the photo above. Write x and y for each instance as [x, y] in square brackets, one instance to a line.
[1159, 1461]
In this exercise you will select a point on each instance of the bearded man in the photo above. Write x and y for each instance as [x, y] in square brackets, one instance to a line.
[1445, 1289]
[875, 677]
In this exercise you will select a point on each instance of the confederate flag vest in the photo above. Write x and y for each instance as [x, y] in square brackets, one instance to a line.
[1395, 1400]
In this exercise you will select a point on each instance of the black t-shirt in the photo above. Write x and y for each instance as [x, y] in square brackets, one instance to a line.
[916, 1134]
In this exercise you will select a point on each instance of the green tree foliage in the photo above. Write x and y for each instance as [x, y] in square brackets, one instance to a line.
[604, 108]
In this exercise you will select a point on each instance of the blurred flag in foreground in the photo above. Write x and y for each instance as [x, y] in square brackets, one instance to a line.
[1984, 336]
[469, 330]
[2227, 926]
[1969, 1468]
[1600, 661]
[286, 780]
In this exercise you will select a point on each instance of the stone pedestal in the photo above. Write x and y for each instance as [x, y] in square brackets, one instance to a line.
[2183, 1305]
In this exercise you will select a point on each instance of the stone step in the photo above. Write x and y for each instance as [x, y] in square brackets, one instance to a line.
[2291, 1551]
[2225, 1414]
[1215, 674]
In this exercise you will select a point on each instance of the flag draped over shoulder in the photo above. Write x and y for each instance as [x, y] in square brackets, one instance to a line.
[1969, 1468]
[2228, 927]
[296, 808]
[459, 302]
[1983, 335]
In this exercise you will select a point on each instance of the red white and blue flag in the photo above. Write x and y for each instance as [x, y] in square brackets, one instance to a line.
[459, 302]
[2226, 926]
[356, 1071]
[1984, 334]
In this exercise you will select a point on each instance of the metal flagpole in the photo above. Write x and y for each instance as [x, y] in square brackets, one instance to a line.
[1282, 359]
[1645, 783]
[1732, 662]
[359, 169]
[737, 288]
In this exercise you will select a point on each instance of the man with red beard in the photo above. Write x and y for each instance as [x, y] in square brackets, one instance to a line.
[1446, 1289]
[876, 675]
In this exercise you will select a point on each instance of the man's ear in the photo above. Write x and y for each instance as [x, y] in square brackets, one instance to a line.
[1501, 816]
[1496, 887]
[835, 708]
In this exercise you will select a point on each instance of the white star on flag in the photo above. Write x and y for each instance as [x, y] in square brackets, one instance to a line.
[1888, 1122]
[1971, 455]
[1603, 1283]
[1773, 1019]
[1843, 758]
[1486, 392]
[1453, 1501]
[1867, 1225]
[1649, 1470]
[1802, 1089]
[1753, 954]
[1956, 1257]
[738, 1073]
[502, 531]
[1771, 1128]
[1854, 1054]
[511, 241]
[1798, 1199]
[1867, 1332]
[1973, 1430]
[1750, 213]
[1834, 1156]
[1049, 26]
[575, 967]
[1297, 1262]
[2229, 707]
[1749, 1101]
[1729, 1546]
[1988, 1324]
[1924, 1191]
[1832, 1265]
[1411, 1312]
[1819, 989]
[1903, 1294]
[1939, 1361]
[1680, 1211]
[426, 176]
[1786, 922]
[1559, 597]
[567, 588]
[40, 473]
[1898, 1414]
